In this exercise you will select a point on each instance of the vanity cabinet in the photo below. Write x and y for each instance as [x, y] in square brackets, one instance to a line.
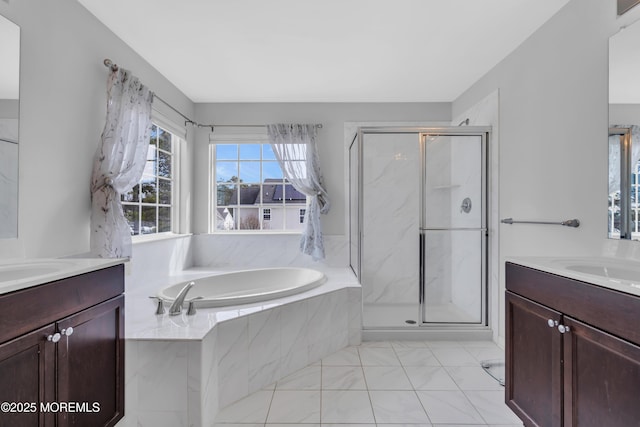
[62, 343]
[572, 351]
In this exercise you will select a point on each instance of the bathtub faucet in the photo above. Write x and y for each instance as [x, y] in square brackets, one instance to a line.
[176, 307]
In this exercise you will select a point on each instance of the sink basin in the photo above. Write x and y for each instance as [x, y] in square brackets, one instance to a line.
[23, 270]
[610, 272]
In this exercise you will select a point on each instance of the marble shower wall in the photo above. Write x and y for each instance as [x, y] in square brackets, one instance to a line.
[391, 185]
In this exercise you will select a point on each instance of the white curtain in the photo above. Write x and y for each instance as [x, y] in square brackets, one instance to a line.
[295, 149]
[614, 155]
[119, 162]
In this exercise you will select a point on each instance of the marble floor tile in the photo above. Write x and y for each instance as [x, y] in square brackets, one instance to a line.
[373, 356]
[305, 379]
[473, 378]
[346, 406]
[430, 378]
[386, 378]
[417, 357]
[383, 383]
[448, 356]
[346, 357]
[295, 406]
[343, 378]
[490, 404]
[397, 407]
[251, 409]
[447, 407]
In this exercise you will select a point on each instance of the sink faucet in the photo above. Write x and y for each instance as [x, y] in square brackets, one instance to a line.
[176, 307]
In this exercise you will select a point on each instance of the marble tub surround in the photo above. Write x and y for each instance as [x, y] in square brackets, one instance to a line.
[415, 383]
[181, 369]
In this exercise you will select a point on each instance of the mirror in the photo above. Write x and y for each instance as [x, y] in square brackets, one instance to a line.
[624, 134]
[9, 119]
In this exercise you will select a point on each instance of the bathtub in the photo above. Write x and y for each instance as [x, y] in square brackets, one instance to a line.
[247, 286]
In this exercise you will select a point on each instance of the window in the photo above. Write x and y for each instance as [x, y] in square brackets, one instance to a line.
[249, 190]
[148, 207]
[302, 212]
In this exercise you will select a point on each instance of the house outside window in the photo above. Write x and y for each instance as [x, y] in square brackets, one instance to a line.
[302, 213]
[148, 207]
[250, 193]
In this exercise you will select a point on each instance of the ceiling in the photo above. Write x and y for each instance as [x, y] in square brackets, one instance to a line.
[323, 51]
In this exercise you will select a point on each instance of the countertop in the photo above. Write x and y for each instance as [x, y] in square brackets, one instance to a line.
[17, 274]
[613, 273]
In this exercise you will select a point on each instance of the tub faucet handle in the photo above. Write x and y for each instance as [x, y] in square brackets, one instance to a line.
[192, 307]
[160, 308]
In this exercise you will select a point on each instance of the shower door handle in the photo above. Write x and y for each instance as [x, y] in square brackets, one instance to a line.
[422, 266]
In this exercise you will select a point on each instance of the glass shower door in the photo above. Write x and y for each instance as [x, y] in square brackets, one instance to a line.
[453, 229]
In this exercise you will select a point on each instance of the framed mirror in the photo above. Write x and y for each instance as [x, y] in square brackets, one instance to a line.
[9, 125]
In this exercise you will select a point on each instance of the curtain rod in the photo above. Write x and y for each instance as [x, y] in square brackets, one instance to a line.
[114, 67]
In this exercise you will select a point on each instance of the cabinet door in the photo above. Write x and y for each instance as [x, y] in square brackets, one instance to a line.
[91, 365]
[533, 362]
[601, 378]
[26, 370]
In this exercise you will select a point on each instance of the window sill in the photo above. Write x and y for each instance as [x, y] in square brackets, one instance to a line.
[147, 238]
[254, 233]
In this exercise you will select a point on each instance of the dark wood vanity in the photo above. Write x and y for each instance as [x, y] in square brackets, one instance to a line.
[62, 349]
[572, 351]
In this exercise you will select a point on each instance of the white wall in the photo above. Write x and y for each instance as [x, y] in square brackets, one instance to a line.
[62, 113]
[624, 114]
[553, 132]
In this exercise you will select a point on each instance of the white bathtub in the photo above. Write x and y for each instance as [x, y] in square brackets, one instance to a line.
[247, 286]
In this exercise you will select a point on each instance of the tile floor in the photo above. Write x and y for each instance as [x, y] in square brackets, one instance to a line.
[432, 383]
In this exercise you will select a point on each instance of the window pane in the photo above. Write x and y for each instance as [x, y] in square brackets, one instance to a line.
[226, 172]
[249, 194]
[249, 219]
[275, 222]
[150, 166]
[225, 219]
[131, 195]
[226, 151]
[148, 220]
[165, 191]
[153, 136]
[250, 151]
[293, 218]
[227, 195]
[133, 218]
[164, 219]
[149, 190]
[164, 164]
[164, 139]
[267, 152]
[271, 170]
[250, 171]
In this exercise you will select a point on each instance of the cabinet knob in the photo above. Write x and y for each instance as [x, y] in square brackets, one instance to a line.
[552, 323]
[563, 329]
[68, 331]
[54, 338]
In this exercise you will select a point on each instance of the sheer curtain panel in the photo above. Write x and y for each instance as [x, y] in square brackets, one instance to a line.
[295, 149]
[119, 162]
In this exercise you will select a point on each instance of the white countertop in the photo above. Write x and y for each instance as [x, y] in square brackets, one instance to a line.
[16, 274]
[612, 273]
[141, 322]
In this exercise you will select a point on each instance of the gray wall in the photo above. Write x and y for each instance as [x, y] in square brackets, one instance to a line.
[553, 132]
[62, 106]
[624, 114]
[9, 108]
[330, 141]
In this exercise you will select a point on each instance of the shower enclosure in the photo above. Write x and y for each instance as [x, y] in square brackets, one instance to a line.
[418, 215]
